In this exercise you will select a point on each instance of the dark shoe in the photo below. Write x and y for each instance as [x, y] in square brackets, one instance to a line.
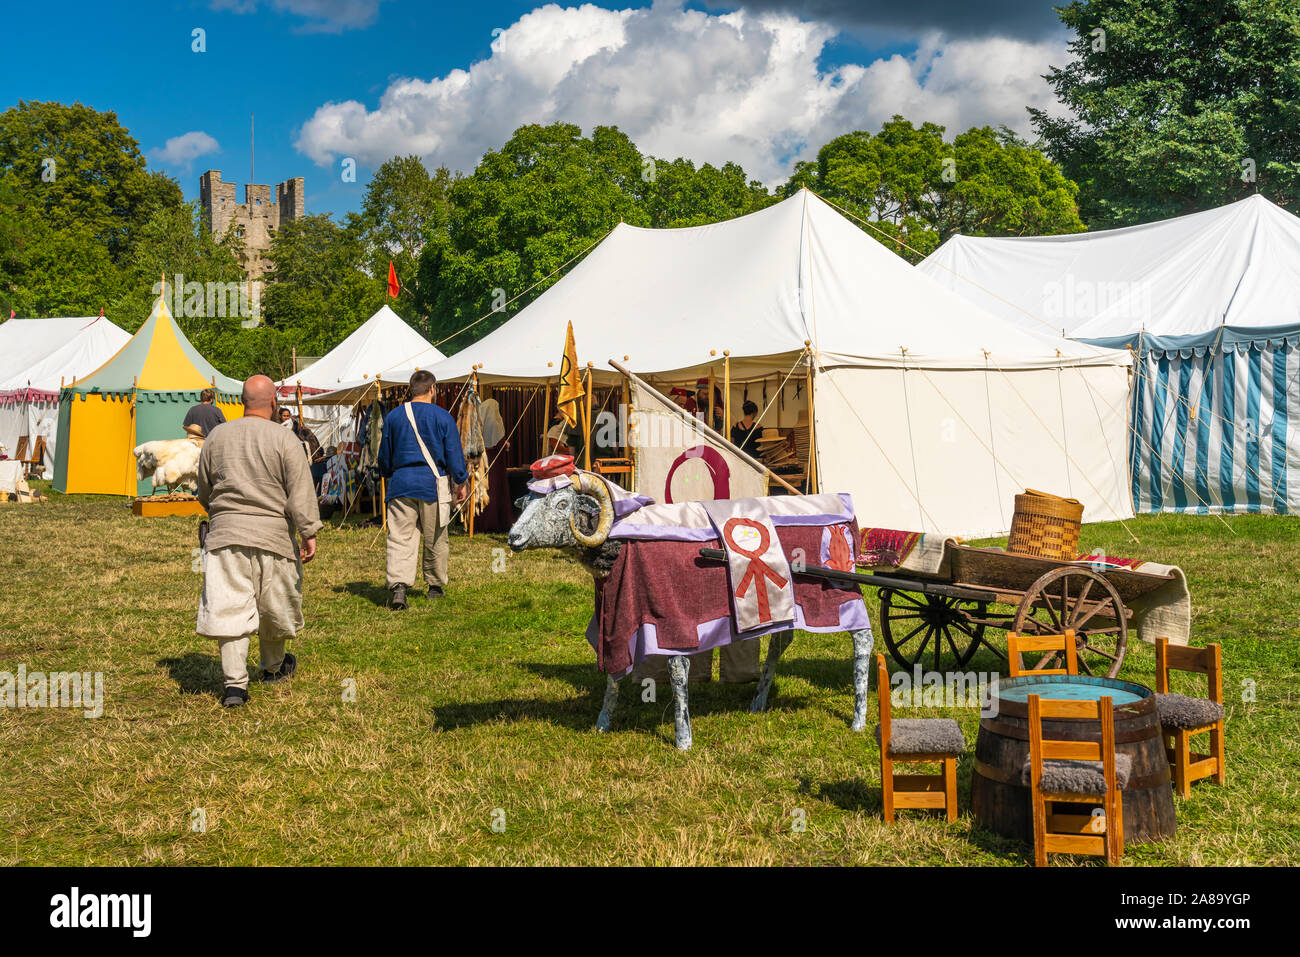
[286, 670]
[398, 601]
[435, 591]
[234, 697]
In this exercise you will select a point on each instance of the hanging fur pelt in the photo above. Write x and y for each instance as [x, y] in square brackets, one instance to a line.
[471, 440]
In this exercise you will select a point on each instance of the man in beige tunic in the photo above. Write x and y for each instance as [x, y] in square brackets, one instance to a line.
[257, 488]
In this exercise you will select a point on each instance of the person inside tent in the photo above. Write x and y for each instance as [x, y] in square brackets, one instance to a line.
[702, 404]
[683, 398]
[205, 415]
[562, 439]
[499, 514]
[744, 432]
[317, 459]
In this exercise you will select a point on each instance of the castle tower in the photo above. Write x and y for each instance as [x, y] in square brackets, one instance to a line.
[256, 219]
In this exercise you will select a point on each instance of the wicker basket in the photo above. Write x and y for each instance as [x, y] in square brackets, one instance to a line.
[1045, 526]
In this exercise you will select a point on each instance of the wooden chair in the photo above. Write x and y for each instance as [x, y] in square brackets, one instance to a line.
[916, 741]
[33, 466]
[612, 467]
[21, 452]
[1182, 716]
[1018, 643]
[1076, 772]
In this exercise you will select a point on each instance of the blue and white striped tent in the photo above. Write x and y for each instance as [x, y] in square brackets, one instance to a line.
[1212, 422]
[1210, 306]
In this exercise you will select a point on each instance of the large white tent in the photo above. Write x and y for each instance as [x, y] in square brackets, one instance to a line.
[384, 345]
[930, 411]
[37, 357]
[1210, 302]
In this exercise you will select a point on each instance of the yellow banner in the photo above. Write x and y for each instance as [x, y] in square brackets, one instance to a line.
[572, 391]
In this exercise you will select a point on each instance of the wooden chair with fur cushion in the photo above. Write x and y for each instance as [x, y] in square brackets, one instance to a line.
[1182, 716]
[1075, 772]
[916, 741]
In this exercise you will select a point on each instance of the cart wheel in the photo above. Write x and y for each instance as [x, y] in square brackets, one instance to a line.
[1085, 601]
[921, 627]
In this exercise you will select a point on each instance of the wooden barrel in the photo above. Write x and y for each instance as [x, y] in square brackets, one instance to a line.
[1000, 802]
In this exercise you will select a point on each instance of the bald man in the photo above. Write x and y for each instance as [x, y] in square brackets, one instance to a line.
[257, 488]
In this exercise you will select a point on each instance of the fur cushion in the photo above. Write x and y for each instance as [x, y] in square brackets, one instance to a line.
[1079, 777]
[1180, 711]
[924, 736]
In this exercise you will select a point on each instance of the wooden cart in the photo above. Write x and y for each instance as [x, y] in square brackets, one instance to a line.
[939, 621]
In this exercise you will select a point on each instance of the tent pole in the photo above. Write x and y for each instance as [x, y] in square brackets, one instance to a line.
[546, 421]
[726, 391]
[629, 447]
[711, 388]
[469, 499]
[586, 428]
[812, 431]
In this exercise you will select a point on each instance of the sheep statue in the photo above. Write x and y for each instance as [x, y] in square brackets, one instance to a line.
[656, 595]
[173, 463]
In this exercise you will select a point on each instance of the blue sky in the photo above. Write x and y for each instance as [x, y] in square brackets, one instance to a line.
[662, 74]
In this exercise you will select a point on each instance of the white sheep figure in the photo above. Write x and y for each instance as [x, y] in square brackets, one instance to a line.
[173, 463]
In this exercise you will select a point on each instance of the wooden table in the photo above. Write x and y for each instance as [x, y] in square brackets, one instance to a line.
[1000, 802]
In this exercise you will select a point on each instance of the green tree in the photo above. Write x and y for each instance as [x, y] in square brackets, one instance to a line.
[527, 209]
[83, 171]
[530, 209]
[1176, 105]
[678, 194]
[317, 291]
[917, 190]
[405, 207]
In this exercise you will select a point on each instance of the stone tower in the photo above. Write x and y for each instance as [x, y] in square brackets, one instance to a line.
[255, 219]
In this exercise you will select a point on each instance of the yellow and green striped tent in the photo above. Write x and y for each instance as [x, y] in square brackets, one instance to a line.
[140, 394]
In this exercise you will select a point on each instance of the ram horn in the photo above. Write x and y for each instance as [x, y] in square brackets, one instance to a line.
[587, 484]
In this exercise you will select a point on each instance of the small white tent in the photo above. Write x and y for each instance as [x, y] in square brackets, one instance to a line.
[37, 357]
[931, 411]
[381, 345]
[1210, 302]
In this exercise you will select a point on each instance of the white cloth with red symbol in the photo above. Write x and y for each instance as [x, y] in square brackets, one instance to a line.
[761, 591]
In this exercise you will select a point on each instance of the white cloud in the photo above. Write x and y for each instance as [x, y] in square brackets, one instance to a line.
[183, 150]
[713, 88]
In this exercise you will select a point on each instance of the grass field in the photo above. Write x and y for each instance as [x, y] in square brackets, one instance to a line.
[484, 703]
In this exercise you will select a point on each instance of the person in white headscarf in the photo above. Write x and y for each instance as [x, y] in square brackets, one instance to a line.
[499, 515]
[489, 417]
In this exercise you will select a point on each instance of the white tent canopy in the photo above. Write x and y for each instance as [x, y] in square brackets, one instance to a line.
[1238, 265]
[380, 344]
[37, 356]
[929, 410]
[760, 286]
[1210, 303]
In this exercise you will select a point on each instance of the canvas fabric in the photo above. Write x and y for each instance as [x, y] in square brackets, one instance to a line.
[408, 519]
[761, 587]
[444, 485]
[234, 658]
[250, 591]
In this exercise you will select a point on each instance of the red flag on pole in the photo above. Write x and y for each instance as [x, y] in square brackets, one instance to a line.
[394, 287]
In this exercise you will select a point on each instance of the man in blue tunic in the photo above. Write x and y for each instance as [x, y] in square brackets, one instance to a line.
[421, 456]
